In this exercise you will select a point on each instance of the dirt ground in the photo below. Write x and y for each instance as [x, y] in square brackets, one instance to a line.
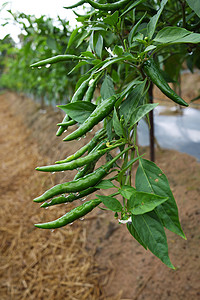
[95, 258]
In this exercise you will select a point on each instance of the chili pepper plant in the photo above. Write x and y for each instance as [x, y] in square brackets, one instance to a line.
[128, 43]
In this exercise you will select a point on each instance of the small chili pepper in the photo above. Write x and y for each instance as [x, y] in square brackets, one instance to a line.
[156, 77]
[89, 168]
[81, 2]
[69, 198]
[80, 184]
[74, 214]
[55, 59]
[78, 96]
[107, 6]
[100, 112]
[74, 164]
[67, 124]
[88, 147]
[90, 92]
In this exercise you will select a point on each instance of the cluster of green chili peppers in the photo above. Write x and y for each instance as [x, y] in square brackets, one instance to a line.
[87, 179]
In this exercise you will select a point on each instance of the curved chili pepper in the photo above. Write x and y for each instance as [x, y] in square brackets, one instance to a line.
[90, 92]
[74, 164]
[100, 112]
[80, 184]
[71, 216]
[69, 198]
[108, 6]
[67, 124]
[81, 2]
[156, 77]
[88, 147]
[55, 59]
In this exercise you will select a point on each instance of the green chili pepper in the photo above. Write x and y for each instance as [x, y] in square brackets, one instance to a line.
[107, 6]
[80, 184]
[88, 147]
[90, 92]
[74, 164]
[78, 96]
[67, 124]
[89, 168]
[55, 59]
[71, 216]
[69, 198]
[100, 112]
[75, 5]
[156, 77]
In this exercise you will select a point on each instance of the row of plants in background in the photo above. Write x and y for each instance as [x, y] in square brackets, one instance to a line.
[40, 37]
[128, 43]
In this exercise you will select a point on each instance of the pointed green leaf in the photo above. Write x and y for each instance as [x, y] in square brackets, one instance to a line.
[113, 19]
[78, 111]
[150, 179]
[105, 184]
[140, 112]
[152, 234]
[117, 125]
[131, 102]
[195, 5]
[99, 46]
[134, 233]
[151, 27]
[111, 203]
[72, 37]
[141, 202]
[127, 191]
[173, 35]
[134, 30]
[107, 88]
[132, 6]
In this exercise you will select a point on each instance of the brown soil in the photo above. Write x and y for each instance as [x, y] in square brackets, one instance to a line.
[95, 258]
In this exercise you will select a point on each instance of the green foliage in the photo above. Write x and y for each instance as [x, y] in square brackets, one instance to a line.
[41, 38]
[121, 46]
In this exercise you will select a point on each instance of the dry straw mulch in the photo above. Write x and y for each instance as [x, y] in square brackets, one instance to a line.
[37, 264]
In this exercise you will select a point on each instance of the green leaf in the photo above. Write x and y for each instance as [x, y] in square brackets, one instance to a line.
[149, 48]
[127, 191]
[195, 5]
[88, 54]
[150, 179]
[111, 203]
[107, 88]
[72, 37]
[105, 184]
[99, 46]
[134, 30]
[134, 233]
[114, 60]
[113, 19]
[174, 35]
[78, 65]
[140, 112]
[131, 102]
[78, 111]
[152, 234]
[141, 202]
[118, 50]
[151, 27]
[117, 125]
[131, 7]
